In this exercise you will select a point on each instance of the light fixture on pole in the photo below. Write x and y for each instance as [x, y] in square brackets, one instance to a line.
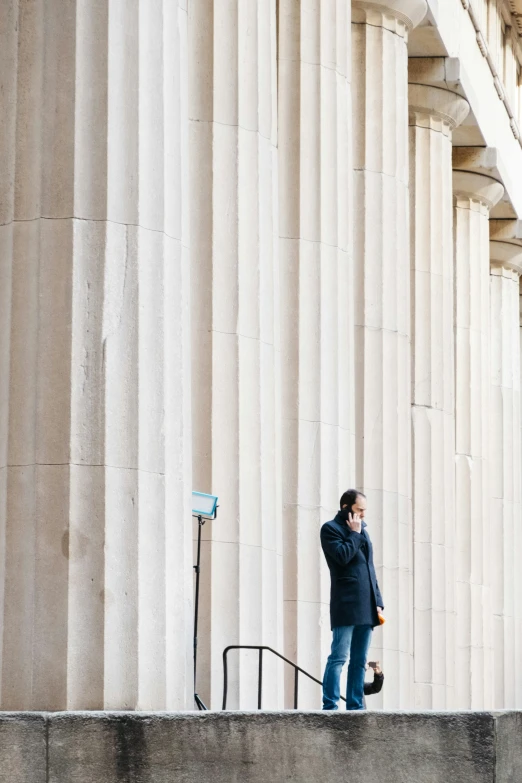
[204, 508]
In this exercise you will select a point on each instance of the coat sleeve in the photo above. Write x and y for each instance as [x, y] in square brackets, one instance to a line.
[339, 549]
[374, 687]
[378, 596]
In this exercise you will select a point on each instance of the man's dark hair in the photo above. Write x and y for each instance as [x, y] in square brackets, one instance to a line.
[349, 497]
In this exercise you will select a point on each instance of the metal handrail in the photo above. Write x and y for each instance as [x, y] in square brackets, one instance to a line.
[260, 648]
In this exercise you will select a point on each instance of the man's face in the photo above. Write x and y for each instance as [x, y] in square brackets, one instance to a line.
[359, 507]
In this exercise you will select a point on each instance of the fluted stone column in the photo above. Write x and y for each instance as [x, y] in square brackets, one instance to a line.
[433, 115]
[382, 316]
[233, 128]
[316, 311]
[474, 195]
[504, 528]
[94, 358]
[518, 571]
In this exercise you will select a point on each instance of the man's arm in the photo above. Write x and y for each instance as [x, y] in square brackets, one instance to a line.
[378, 596]
[339, 549]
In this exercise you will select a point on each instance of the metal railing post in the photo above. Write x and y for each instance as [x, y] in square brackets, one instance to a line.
[260, 648]
[225, 678]
[260, 679]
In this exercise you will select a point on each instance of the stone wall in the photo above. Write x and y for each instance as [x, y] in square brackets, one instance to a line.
[269, 250]
[258, 747]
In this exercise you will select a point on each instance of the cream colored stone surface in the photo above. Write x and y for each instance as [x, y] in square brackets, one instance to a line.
[235, 338]
[396, 14]
[433, 114]
[505, 486]
[474, 195]
[518, 572]
[449, 30]
[316, 300]
[95, 437]
[382, 319]
[343, 314]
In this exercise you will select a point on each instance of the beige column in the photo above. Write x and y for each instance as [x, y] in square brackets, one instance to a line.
[95, 432]
[433, 115]
[316, 311]
[474, 195]
[518, 571]
[382, 316]
[505, 477]
[233, 126]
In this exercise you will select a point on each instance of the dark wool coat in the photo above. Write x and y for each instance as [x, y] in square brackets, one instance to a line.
[354, 594]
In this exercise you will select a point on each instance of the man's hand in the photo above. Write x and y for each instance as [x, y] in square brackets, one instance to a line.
[379, 610]
[376, 666]
[354, 522]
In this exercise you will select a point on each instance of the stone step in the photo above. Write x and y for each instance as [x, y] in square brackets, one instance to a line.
[235, 747]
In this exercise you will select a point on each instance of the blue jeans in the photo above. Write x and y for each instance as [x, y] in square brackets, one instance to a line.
[355, 640]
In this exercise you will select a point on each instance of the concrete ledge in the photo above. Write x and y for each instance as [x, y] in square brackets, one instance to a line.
[23, 747]
[305, 747]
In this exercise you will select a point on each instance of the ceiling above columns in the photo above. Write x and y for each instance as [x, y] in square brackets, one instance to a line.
[506, 230]
[455, 47]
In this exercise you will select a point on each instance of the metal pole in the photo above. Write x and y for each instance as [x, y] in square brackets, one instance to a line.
[225, 678]
[197, 569]
[260, 679]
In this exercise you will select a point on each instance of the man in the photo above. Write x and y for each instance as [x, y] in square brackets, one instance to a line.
[355, 599]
